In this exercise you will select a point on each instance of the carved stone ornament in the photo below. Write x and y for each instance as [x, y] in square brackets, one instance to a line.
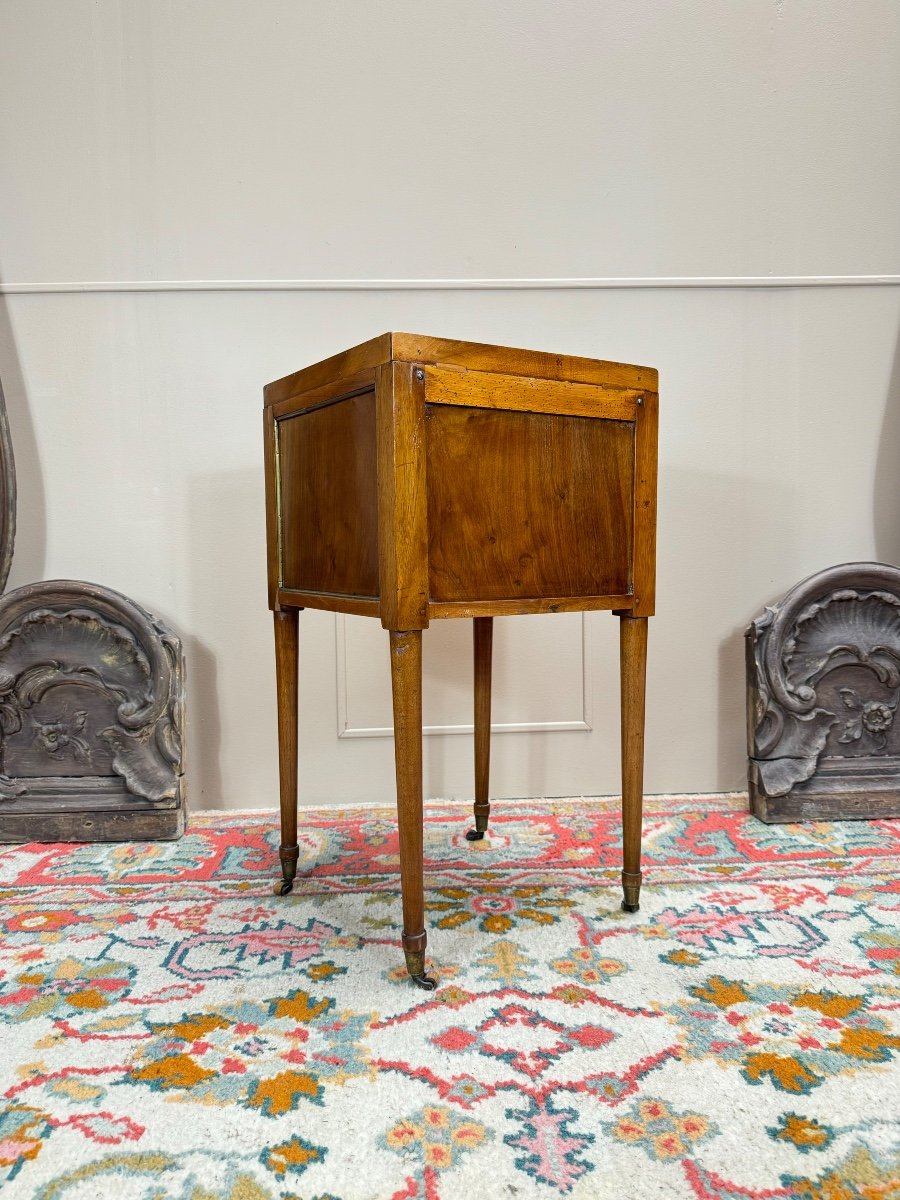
[823, 687]
[91, 717]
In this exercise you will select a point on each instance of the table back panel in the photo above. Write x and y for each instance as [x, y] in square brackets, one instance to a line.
[527, 504]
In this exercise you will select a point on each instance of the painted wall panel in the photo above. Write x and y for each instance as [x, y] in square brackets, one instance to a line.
[280, 140]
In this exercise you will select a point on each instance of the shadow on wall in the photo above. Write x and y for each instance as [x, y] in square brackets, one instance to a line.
[226, 576]
[203, 727]
[886, 516]
[700, 556]
[886, 524]
[732, 712]
[29, 560]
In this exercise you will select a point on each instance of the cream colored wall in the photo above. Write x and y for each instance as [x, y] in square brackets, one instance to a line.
[620, 158]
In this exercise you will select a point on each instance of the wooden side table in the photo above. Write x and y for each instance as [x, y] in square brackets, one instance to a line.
[413, 478]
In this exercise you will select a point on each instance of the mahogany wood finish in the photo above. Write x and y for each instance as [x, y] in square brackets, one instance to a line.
[514, 506]
[488, 390]
[483, 637]
[406, 687]
[414, 478]
[643, 581]
[286, 629]
[633, 639]
[329, 527]
[402, 516]
[511, 608]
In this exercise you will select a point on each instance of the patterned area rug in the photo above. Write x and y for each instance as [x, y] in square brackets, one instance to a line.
[171, 1030]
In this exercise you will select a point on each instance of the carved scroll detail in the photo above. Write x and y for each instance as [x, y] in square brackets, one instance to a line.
[847, 616]
[91, 686]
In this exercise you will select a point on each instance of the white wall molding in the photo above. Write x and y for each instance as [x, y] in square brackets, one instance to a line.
[346, 730]
[574, 283]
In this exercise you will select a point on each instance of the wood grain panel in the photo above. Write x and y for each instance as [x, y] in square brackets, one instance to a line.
[510, 360]
[527, 504]
[329, 505]
[402, 514]
[487, 389]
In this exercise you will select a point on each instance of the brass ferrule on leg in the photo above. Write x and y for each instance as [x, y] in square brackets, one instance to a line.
[415, 962]
[482, 813]
[414, 952]
[415, 965]
[631, 888]
[289, 856]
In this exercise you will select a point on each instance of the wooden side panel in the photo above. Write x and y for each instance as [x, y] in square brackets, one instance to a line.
[329, 503]
[524, 504]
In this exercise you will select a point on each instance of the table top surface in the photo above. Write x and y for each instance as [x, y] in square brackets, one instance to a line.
[473, 356]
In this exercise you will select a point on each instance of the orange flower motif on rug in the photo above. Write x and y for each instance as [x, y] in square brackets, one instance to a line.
[494, 908]
[171, 1030]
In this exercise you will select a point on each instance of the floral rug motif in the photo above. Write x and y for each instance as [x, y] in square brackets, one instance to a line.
[172, 1030]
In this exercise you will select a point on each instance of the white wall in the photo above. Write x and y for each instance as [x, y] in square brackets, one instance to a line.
[220, 140]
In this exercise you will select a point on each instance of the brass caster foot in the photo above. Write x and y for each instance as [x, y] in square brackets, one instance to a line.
[481, 824]
[288, 856]
[626, 907]
[427, 982]
[415, 966]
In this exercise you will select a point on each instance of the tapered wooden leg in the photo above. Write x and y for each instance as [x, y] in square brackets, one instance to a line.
[286, 622]
[406, 685]
[483, 633]
[633, 646]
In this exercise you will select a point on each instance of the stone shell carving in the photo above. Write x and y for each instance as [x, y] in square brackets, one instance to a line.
[91, 716]
[823, 671]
